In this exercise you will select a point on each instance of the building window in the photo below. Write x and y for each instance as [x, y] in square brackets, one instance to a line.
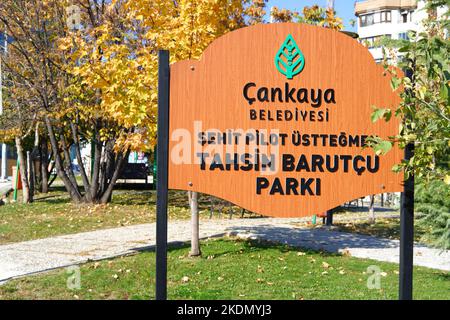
[404, 17]
[373, 18]
[366, 20]
[403, 36]
[385, 16]
[374, 42]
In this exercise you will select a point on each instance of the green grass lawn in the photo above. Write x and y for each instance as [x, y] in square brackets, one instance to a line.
[231, 269]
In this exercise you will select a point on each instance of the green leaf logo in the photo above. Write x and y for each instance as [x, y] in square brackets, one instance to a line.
[289, 59]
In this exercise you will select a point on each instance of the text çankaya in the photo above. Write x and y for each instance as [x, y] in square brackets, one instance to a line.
[314, 97]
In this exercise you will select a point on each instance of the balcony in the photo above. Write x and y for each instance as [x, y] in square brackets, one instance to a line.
[362, 7]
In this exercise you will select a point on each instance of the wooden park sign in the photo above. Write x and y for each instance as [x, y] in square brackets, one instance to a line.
[274, 118]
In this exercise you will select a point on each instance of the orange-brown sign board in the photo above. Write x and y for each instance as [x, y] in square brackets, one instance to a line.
[274, 118]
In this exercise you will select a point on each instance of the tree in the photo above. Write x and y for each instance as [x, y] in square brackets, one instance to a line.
[101, 105]
[90, 74]
[424, 109]
[314, 15]
[31, 74]
[113, 66]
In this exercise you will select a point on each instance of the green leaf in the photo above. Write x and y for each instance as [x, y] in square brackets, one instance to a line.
[395, 83]
[387, 115]
[444, 93]
[377, 115]
[405, 48]
[381, 113]
[383, 147]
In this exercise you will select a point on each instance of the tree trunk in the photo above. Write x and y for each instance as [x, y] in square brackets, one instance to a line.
[84, 177]
[195, 240]
[95, 177]
[68, 161]
[44, 166]
[73, 190]
[31, 177]
[37, 153]
[26, 197]
[105, 167]
[372, 209]
[120, 161]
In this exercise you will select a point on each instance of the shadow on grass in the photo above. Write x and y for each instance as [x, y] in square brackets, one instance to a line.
[285, 239]
[251, 245]
[315, 239]
[444, 276]
[177, 199]
[51, 200]
[283, 248]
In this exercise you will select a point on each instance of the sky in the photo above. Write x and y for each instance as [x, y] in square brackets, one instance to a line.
[344, 8]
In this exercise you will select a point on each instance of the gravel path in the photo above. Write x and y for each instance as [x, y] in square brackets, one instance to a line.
[30, 257]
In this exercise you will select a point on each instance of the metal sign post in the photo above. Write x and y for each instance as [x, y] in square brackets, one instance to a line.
[407, 226]
[162, 174]
[407, 234]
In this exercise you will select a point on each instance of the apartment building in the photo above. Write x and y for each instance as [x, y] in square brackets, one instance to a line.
[388, 18]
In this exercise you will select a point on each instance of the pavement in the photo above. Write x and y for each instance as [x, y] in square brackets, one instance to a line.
[25, 258]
